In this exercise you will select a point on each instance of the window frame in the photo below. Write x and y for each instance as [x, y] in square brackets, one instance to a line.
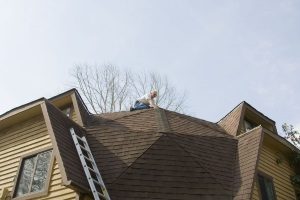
[266, 176]
[43, 192]
[246, 122]
[66, 108]
[297, 191]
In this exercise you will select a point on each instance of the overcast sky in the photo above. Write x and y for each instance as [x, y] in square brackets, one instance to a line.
[220, 52]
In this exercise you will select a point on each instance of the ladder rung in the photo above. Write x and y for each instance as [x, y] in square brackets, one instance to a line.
[101, 195]
[83, 148]
[96, 181]
[87, 158]
[91, 169]
[80, 139]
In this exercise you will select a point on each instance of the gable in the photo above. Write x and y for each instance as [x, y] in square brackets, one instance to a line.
[243, 118]
[72, 100]
[232, 120]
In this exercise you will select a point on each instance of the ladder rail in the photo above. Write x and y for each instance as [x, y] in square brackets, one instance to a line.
[87, 169]
[92, 158]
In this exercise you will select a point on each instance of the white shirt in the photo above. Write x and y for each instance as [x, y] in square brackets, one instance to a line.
[146, 99]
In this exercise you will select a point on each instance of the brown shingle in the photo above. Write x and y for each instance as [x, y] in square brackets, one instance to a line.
[246, 163]
[193, 160]
[71, 163]
[231, 121]
[166, 171]
[159, 154]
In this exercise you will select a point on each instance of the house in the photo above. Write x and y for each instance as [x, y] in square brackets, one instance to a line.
[146, 154]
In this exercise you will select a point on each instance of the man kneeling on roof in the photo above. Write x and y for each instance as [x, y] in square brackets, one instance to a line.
[145, 102]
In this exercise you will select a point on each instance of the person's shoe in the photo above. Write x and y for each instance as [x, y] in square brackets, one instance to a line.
[131, 108]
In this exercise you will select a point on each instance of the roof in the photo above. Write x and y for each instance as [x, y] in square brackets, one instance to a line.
[248, 149]
[59, 127]
[139, 158]
[232, 122]
[156, 153]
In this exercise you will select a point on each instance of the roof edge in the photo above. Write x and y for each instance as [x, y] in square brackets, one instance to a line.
[22, 108]
[258, 158]
[249, 132]
[54, 143]
[231, 111]
[282, 140]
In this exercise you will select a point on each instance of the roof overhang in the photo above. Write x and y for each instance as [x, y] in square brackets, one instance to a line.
[279, 142]
[62, 99]
[21, 113]
[32, 109]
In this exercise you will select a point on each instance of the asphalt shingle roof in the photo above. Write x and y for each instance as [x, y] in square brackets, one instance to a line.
[190, 159]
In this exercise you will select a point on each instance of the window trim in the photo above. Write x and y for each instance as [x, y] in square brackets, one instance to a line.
[267, 176]
[297, 190]
[249, 122]
[45, 191]
[65, 108]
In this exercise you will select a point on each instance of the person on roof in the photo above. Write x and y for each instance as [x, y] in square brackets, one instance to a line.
[145, 102]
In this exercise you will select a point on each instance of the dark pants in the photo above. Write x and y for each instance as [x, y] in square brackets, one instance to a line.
[140, 106]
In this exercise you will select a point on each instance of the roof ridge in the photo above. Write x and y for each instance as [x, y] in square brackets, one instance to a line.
[162, 120]
[256, 110]
[132, 113]
[231, 111]
[203, 122]
[136, 159]
[195, 156]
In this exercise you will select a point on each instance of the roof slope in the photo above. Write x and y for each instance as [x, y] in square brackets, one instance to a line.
[166, 171]
[231, 121]
[66, 151]
[193, 159]
[248, 151]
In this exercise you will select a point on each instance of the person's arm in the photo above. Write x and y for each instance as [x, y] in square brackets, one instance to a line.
[152, 103]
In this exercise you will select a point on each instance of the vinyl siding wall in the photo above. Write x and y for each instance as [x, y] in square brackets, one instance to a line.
[280, 172]
[22, 139]
[73, 115]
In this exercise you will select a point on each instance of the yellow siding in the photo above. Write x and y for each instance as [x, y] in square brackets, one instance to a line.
[73, 115]
[17, 141]
[21, 139]
[280, 172]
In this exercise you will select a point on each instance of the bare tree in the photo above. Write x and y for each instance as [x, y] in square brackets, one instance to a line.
[105, 89]
[108, 89]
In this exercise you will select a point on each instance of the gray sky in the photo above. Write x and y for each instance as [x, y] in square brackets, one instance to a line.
[220, 52]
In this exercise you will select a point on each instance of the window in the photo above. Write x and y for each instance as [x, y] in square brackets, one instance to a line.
[67, 111]
[266, 187]
[297, 192]
[248, 125]
[33, 174]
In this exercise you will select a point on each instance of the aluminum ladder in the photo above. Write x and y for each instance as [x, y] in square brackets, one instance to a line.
[90, 168]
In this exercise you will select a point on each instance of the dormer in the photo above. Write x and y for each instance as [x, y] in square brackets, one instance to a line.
[243, 118]
[71, 104]
[252, 118]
